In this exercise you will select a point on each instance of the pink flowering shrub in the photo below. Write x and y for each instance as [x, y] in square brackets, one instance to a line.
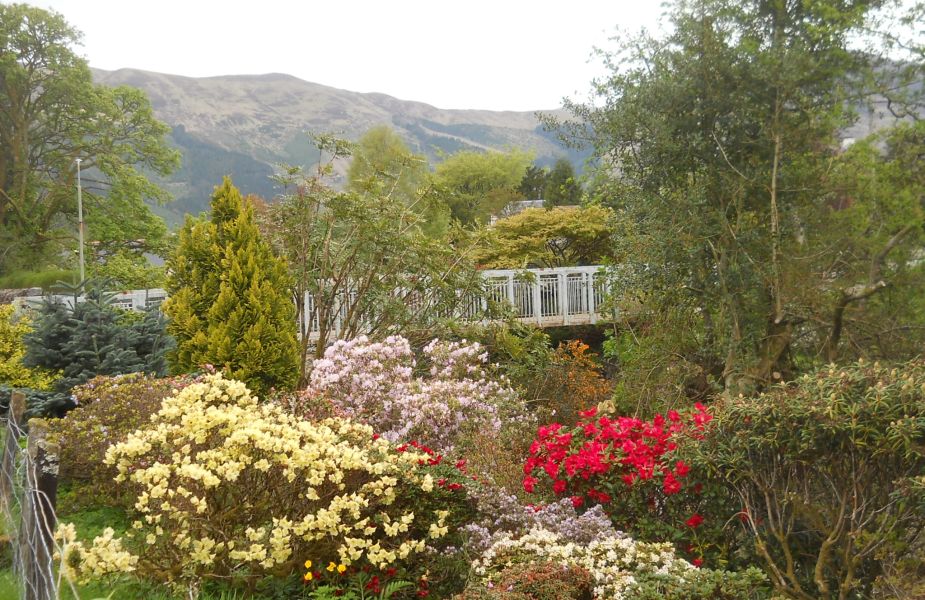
[375, 382]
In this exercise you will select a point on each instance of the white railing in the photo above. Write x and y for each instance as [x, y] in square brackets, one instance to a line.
[547, 297]
[563, 296]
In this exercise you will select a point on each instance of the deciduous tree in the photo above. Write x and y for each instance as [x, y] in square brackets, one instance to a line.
[382, 163]
[479, 184]
[51, 113]
[719, 141]
[561, 237]
[360, 260]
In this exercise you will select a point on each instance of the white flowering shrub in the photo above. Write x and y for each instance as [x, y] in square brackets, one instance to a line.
[232, 489]
[620, 567]
[375, 382]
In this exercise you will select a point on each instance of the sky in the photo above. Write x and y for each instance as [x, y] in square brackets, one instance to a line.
[478, 54]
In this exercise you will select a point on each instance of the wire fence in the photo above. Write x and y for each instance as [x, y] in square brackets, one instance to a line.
[28, 492]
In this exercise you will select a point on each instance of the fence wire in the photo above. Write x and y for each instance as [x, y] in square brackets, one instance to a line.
[28, 480]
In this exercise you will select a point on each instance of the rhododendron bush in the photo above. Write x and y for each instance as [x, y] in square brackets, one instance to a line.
[620, 568]
[631, 468]
[375, 382]
[229, 488]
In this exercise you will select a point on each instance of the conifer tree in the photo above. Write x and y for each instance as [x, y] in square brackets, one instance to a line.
[230, 302]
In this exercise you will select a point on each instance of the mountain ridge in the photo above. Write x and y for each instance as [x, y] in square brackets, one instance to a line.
[245, 125]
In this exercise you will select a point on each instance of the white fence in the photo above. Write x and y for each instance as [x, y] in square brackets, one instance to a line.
[545, 297]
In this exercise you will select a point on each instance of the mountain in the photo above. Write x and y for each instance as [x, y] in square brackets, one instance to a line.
[243, 125]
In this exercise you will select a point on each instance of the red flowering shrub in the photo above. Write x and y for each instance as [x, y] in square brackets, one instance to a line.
[632, 468]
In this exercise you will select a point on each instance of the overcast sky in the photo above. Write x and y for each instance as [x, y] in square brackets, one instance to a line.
[486, 54]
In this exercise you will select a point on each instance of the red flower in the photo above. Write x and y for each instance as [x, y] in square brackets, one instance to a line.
[530, 484]
[671, 485]
[681, 468]
[558, 486]
[588, 414]
[373, 584]
[695, 521]
[697, 562]
[577, 501]
[673, 416]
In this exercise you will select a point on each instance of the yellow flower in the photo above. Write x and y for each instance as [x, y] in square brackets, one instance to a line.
[341, 569]
[308, 564]
[308, 576]
[331, 566]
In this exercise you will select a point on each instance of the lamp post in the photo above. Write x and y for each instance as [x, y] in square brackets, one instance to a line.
[80, 222]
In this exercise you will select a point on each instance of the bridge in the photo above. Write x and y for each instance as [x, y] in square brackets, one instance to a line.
[559, 297]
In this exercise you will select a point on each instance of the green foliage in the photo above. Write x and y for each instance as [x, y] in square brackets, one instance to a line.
[363, 258]
[126, 270]
[40, 279]
[383, 165]
[561, 187]
[108, 409]
[13, 372]
[38, 403]
[47, 86]
[230, 299]
[479, 184]
[716, 145]
[94, 338]
[825, 471]
[533, 183]
[538, 238]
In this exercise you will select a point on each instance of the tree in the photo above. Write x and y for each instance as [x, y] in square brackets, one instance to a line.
[561, 189]
[561, 237]
[533, 183]
[360, 261]
[383, 163]
[718, 143]
[51, 113]
[823, 469]
[92, 337]
[230, 298]
[479, 184]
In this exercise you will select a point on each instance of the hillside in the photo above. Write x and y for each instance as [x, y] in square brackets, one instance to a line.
[243, 125]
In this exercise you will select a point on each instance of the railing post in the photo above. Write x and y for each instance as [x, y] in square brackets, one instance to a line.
[510, 292]
[592, 308]
[39, 521]
[10, 450]
[562, 281]
[537, 300]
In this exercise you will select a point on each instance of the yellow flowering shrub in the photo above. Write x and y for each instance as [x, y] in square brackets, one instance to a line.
[13, 372]
[105, 556]
[231, 488]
